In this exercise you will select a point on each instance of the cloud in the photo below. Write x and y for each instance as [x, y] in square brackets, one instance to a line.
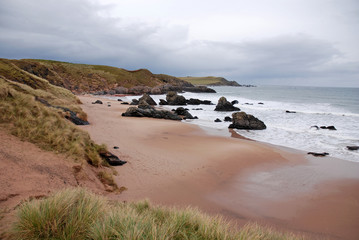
[82, 31]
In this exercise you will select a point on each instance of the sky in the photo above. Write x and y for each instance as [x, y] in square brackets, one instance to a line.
[262, 42]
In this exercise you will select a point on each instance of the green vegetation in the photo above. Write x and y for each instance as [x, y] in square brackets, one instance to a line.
[201, 80]
[209, 81]
[82, 77]
[35, 122]
[78, 214]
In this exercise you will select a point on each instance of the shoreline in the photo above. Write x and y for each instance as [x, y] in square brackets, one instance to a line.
[179, 164]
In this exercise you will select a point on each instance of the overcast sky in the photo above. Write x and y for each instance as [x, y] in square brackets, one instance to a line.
[286, 42]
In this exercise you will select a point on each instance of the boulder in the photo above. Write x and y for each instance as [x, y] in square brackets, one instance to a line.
[328, 127]
[197, 109]
[174, 99]
[147, 99]
[194, 101]
[112, 159]
[227, 119]
[260, 103]
[234, 102]
[184, 112]
[224, 105]
[135, 102]
[315, 154]
[218, 120]
[97, 102]
[120, 100]
[163, 102]
[145, 110]
[125, 103]
[287, 111]
[353, 148]
[242, 120]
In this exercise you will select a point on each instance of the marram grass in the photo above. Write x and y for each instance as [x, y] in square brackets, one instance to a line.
[32, 121]
[79, 214]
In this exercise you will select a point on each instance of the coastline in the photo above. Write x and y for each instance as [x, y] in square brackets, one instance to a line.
[178, 164]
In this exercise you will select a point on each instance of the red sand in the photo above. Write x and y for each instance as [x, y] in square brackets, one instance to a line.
[173, 163]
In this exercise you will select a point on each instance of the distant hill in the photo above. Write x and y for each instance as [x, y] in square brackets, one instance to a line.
[210, 81]
[80, 78]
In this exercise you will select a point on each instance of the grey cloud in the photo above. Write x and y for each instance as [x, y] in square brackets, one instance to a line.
[76, 31]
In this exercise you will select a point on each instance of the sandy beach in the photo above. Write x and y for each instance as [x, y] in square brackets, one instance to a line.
[178, 164]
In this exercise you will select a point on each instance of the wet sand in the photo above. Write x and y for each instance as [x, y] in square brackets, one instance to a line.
[178, 164]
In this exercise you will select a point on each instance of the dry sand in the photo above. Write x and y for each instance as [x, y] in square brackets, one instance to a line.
[178, 164]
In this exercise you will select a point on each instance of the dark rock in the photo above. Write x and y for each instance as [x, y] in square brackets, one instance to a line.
[224, 105]
[241, 120]
[328, 127]
[125, 103]
[112, 159]
[315, 126]
[147, 99]
[115, 147]
[248, 103]
[151, 112]
[199, 89]
[108, 105]
[228, 119]
[97, 102]
[163, 102]
[290, 111]
[70, 115]
[197, 109]
[353, 148]
[234, 102]
[119, 100]
[194, 101]
[174, 99]
[184, 112]
[323, 154]
[218, 120]
[260, 103]
[135, 102]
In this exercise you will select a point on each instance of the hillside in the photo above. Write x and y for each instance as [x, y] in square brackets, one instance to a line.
[210, 81]
[84, 78]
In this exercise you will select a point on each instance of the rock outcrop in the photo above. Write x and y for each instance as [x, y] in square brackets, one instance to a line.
[315, 154]
[224, 105]
[184, 112]
[353, 148]
[242, 120]
[174, 99]
[149, 111]
[146, 98]
[195, 101]
[112, 159]
[97, 102]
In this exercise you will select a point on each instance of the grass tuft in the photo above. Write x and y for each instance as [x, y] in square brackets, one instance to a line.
[79, 214]
[45, 126]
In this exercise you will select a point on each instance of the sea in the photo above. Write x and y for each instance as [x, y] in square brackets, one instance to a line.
[312, 106]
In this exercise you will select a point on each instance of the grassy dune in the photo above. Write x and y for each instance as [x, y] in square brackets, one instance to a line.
[78, 214]
[45, 126]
